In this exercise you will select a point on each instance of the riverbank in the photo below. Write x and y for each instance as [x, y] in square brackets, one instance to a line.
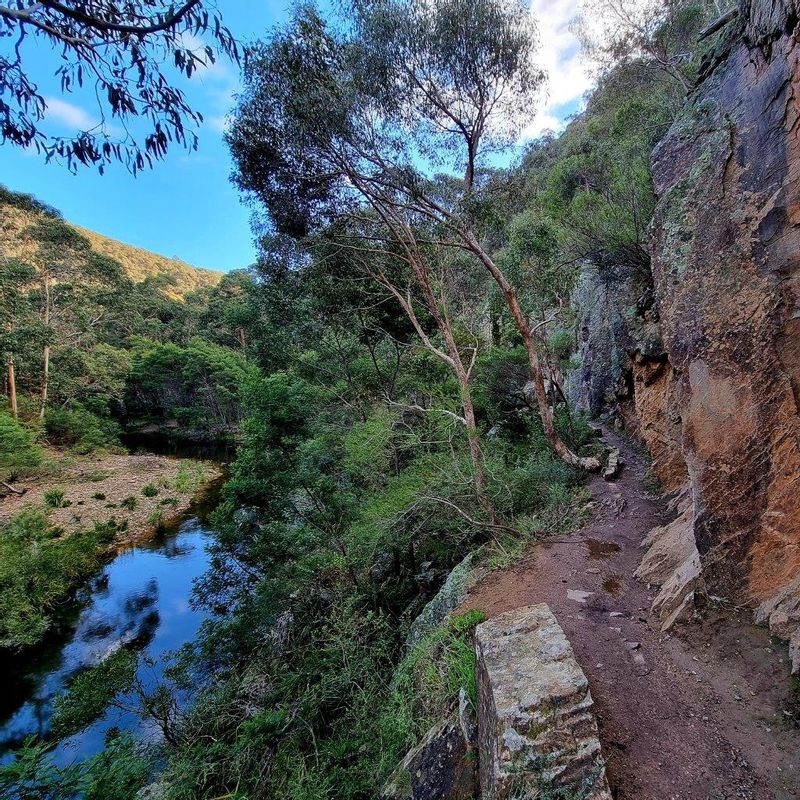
[137, 602]
[73, 516]
[136, 493]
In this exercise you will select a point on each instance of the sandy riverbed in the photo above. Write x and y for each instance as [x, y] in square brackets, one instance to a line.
[99, 488]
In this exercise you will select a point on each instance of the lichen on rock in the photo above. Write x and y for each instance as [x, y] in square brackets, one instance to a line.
[536, 726]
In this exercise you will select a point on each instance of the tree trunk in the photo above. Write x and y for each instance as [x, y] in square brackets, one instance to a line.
[45, 379]
[453, 360]
[537, 378]
[473, 437]
[12, 386]
[475, 453]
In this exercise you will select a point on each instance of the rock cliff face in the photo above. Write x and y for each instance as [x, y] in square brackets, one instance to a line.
[624, 368]
[718, 407]
[726, 268]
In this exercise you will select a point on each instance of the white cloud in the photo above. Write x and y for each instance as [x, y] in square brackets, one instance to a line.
[559, 55]
[542, 122]
[69, 115]
[218, 124]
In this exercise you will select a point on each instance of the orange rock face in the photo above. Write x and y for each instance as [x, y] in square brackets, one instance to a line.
[659, 421]
[726, 265]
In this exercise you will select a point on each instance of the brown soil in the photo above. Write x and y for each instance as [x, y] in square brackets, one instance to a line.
[96, 486]
[704, 712]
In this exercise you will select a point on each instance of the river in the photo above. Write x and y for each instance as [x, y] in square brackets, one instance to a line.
[140, 599]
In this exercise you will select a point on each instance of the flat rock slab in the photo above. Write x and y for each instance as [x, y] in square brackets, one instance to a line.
[578, 595]
[536, 727]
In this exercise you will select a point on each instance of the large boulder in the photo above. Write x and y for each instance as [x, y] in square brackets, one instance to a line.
[463, 577]
[536, 727]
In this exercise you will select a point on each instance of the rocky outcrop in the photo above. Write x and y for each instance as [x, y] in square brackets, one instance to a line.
[461, 579]
[441, 767]
[782, 612]
[616, 325]
[624, 372]
[726, 267]
[536, 730]
[673, 563]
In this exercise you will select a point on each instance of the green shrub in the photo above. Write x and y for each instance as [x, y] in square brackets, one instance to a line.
[38, 569]
[190, 478]
[129, 503]
[98, 475]
[430, 677]
[150, 490]
[20, 455]
[367, 449]
[91, 691]
[79, 428]
[117, 773]
[98, 496]
[27, 202]
[54, 498]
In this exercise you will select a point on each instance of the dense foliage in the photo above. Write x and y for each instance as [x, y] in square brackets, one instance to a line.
[38, 567]
[89, 355]
[93, 352]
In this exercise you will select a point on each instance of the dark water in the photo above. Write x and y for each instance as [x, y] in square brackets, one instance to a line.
[141, 599]
[172, 445]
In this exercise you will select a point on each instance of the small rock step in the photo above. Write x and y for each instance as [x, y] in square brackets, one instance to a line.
[440, 767]
[614, 465]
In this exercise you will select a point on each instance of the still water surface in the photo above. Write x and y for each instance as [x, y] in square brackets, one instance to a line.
[140, 599]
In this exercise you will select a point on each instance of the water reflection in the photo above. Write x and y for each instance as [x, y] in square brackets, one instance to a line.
[140, 600]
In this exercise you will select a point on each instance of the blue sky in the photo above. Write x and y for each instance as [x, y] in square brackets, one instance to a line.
[186, 206]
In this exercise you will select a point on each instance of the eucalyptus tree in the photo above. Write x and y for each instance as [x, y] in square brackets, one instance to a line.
[117, 50]
[652, 35]
[375, 131]
[15, 279]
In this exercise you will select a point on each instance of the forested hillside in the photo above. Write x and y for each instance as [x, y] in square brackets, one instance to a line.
[100, 337]
[409, 372]
[20, 214]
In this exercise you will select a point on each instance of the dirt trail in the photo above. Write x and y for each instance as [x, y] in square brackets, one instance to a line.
[706, 712]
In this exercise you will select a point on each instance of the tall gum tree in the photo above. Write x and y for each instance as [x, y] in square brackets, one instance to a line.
[383, 122]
